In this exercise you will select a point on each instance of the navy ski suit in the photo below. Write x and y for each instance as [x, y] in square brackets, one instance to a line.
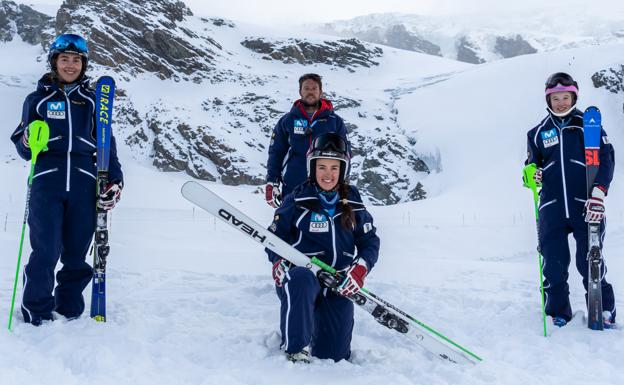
[62, 203]
[557, 146]
[291, 139]
[311, 314]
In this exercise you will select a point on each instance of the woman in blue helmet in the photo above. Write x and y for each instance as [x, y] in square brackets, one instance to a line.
[323, 217]
[63, 195]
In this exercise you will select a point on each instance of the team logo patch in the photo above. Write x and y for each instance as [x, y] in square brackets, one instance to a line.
[300, 126]
[550, 138]
[605, 139]
[56, 110]
[367, 227]
[319, 223]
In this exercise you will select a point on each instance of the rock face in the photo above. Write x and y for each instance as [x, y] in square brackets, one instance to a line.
[349, 53]
[467, 51]
[191, 99]
[399, 37]
[32, 27]
[510, 47]
[136, 36]
[611, 79]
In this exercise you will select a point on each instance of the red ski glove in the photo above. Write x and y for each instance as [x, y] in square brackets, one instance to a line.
[354, 278]
[273, 195]
[280, 268]
[110, 196]
[594, 206]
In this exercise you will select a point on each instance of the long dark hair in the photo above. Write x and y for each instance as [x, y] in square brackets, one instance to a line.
[348, 217]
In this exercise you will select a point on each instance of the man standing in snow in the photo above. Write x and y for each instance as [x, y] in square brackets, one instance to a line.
[556, 146]
[309, 117]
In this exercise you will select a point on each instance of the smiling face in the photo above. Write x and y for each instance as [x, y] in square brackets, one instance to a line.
[327, 173]
[561, 102]
[68, 67]
[310, 92]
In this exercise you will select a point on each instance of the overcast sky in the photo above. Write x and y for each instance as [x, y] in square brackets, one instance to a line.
[289, 12]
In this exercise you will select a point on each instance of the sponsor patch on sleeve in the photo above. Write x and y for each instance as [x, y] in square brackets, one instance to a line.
[367, 227]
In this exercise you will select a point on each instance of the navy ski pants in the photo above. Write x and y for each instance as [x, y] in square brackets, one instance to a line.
[312, 315]
[556, 252]
[61, 226]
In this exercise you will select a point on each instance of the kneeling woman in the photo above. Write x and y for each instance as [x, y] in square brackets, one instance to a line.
[324, 217]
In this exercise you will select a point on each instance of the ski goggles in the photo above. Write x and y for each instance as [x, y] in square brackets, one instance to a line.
[561, 82]
[70, 42]
[329, 142]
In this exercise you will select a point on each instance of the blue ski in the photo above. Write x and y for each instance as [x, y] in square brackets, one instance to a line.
[104, 95]
[592, 126]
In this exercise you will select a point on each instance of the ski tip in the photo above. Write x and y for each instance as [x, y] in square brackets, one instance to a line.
[188, 185]
[106, 79]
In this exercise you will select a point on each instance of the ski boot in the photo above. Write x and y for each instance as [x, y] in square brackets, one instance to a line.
[559, 321]
[608, 320]
[303, 356]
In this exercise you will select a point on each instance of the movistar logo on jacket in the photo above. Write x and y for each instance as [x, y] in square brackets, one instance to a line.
[300, 126]
[56, 110]
[550, 138]
[319, 223]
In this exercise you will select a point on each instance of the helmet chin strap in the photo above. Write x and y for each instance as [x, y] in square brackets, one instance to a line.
[561, 114]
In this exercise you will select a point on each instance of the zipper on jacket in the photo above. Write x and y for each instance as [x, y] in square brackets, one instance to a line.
[333, 230]
[563, 178]
[69, 137]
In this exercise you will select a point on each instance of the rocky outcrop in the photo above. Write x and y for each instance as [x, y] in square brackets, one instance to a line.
[398, 36]
[346, 53]
[135, 37]
[467, 51]
[509, 47]
[612, 79]
[31, 26]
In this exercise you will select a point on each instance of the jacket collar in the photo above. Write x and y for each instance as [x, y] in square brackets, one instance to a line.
[325, 109]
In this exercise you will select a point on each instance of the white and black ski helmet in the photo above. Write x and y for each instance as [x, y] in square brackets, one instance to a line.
[69, 43]
[328, 146]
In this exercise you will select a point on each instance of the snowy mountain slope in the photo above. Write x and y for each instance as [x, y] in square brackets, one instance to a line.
[206, 101]
[480, 38]
[190, 302]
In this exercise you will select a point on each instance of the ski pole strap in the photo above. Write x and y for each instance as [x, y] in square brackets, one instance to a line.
[38, 135]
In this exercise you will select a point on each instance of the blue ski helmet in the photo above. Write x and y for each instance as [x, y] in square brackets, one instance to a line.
[69, 43]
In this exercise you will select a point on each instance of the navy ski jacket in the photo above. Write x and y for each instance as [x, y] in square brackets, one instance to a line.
[557, 146]
[72, 144]
[291, 139]
[302, 222]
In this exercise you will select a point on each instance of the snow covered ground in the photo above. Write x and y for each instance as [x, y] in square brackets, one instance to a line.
[191, 302]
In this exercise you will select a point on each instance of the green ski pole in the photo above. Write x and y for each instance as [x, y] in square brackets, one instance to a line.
[527, 176]
[38, 135]
[331, 270]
